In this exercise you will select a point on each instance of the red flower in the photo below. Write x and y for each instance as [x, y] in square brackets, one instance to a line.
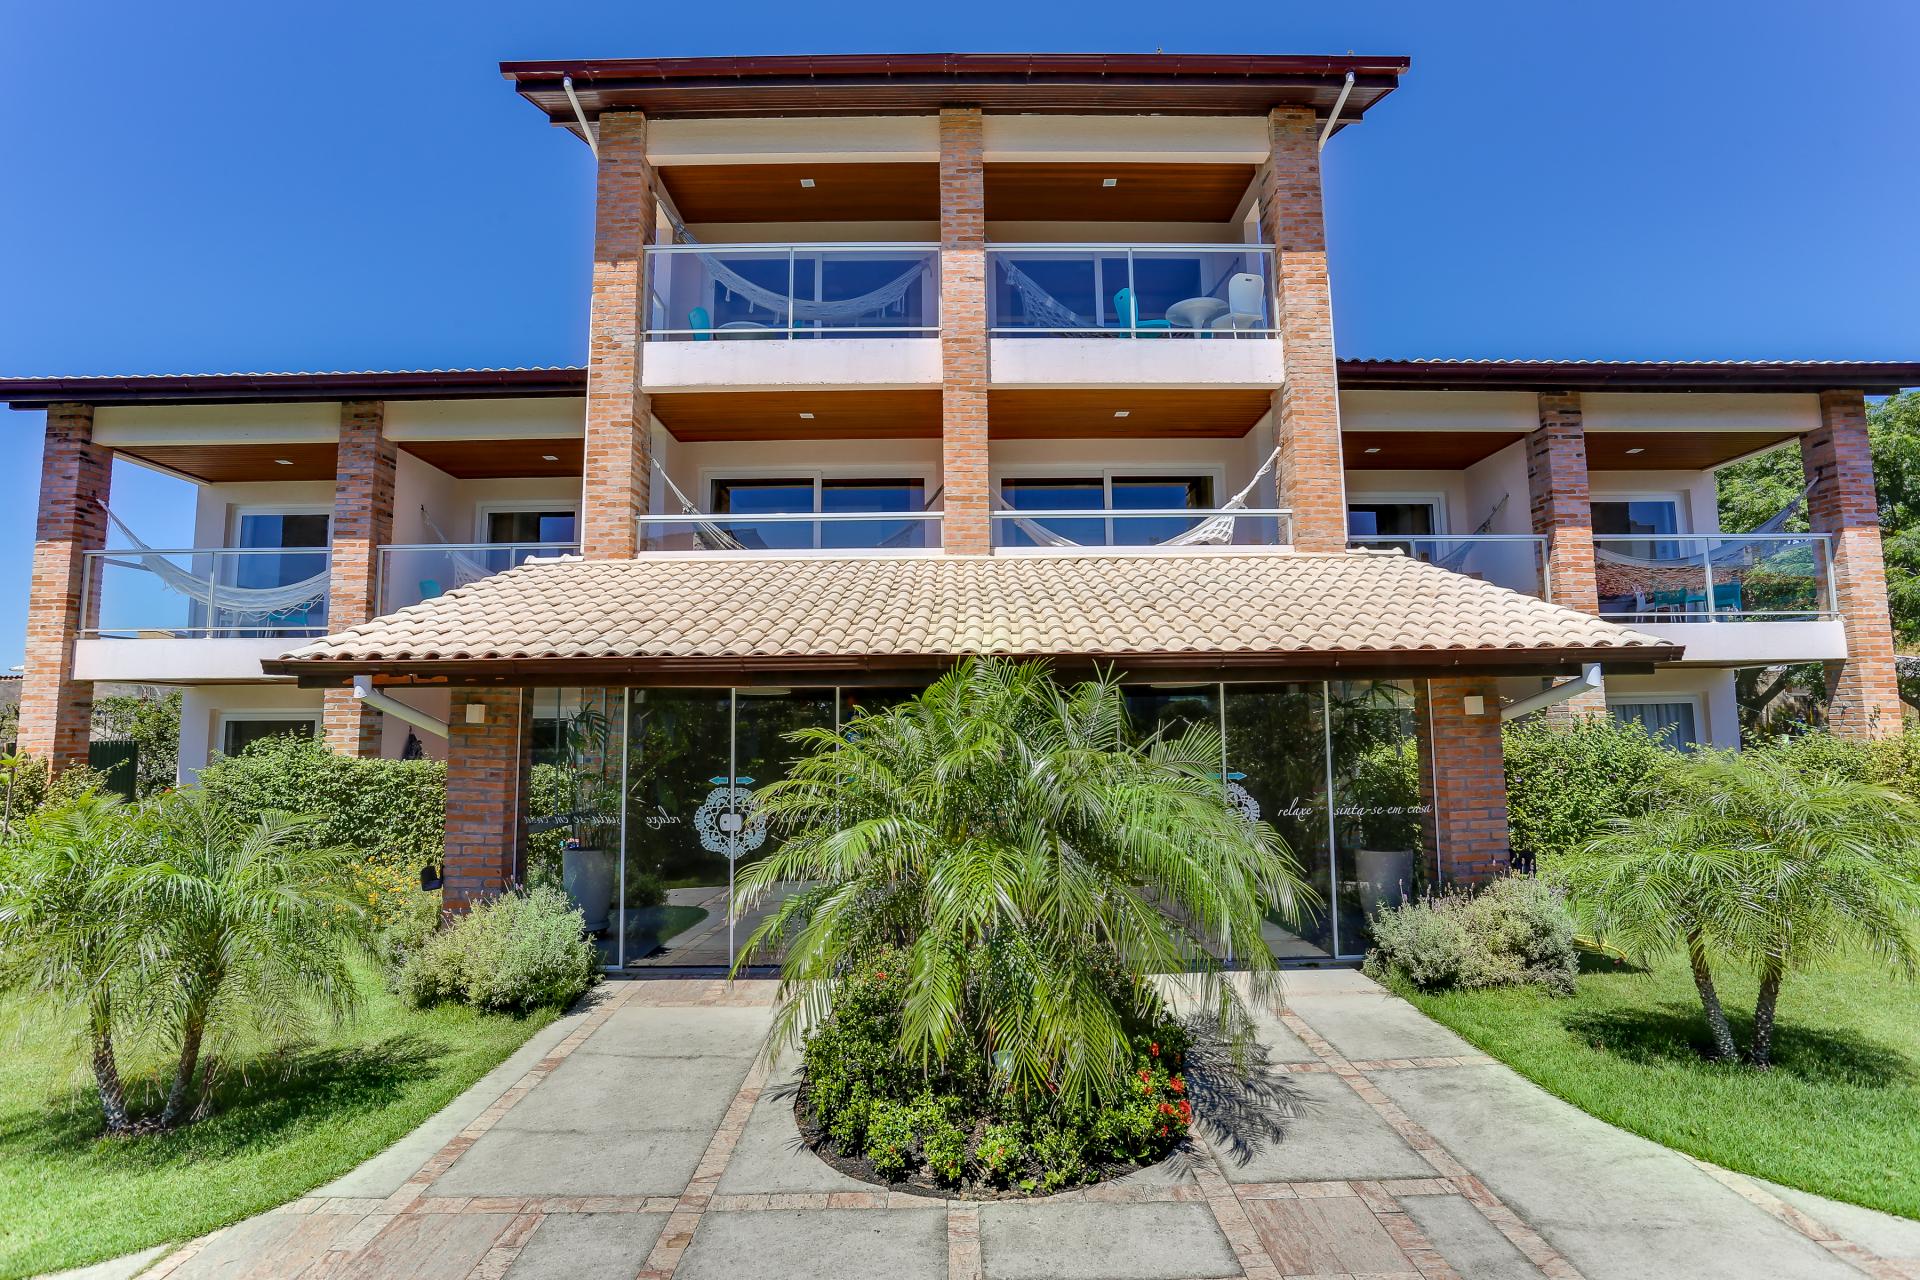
[881, 975]
[1186, 1109]
[1145, 1075]
[1154, 1049]
[1165, 1110]
[1177, 1085]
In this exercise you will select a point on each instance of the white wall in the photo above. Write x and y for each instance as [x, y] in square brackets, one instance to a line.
[1439, 411]
[1698, 411]
[1714, 689]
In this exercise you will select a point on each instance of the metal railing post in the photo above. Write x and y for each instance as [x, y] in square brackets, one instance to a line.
[791, 262]
[1706, 568]
[1133, 299]
[213, 593]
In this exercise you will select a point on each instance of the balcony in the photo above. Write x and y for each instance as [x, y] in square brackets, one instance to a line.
[1134, 529]
[793, 533]
[792, 315]
[1199, 300]
[1515, 561]
[200, 614]
[412, 573]
[1703, 591]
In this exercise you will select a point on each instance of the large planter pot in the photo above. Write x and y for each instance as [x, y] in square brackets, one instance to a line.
[1385, 876]
[587, 875]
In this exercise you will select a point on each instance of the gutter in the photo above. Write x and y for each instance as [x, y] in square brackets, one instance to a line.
[1587, 682]
[364, 691]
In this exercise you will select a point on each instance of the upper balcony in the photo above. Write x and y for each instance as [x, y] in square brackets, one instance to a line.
[1205, 311]
[1698, 591]
[411, 573]
[820, 316]
[1516, 561]
[203, 613]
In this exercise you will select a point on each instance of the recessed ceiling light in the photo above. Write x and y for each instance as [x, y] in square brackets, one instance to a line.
[807, 416]
[549, 457]
[1372, 448]
[1109, 182]
[1121, 413]
[1636, 449]
[283, 462]
[806, 182]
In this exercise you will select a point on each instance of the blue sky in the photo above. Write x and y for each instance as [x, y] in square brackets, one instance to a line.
[351, 185]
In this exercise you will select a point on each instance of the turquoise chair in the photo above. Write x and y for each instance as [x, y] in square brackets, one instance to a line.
[430, 589]
[1128, 311]
[701, 323]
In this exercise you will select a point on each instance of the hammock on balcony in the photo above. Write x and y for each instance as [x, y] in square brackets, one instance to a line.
[1739, 552]
[1047, 311]
[833, 313]
[1456, 559]
[254, 604]
[1216, 530]
[712, 537]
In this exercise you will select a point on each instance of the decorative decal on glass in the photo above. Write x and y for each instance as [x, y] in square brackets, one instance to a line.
[728, 821]
[1238, 797]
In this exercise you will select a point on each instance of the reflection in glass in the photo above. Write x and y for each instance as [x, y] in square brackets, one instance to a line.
[1378, 808]
[678, 761]
[573, 802]
[1276, 755]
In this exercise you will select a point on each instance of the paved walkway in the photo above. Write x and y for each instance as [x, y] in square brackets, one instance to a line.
[641, 1137]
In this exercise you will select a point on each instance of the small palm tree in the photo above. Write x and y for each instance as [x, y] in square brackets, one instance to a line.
[64, 936]
[253, 922]
[1774, 866]
[1036, 864]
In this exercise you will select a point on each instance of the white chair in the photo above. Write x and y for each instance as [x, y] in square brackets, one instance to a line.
[1244, 310]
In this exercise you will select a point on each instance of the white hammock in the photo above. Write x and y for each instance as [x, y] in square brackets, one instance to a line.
[1047, 311]
[1216, 530]
[1738, 551]
[467, 568]
[838, 313]
[1456, 559]
[255, 604]
[711, 537]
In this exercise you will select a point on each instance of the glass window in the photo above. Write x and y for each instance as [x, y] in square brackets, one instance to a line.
[1095, 493]
[1157, 493]
[845, 497]
[791, 496]
[1636, 516]
[237, 735]
[302, 538]
[1390, 519]
[530, 526]
[1671, 724]
[282, 529]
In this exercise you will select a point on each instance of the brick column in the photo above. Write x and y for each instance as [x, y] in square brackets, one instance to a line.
[1463, 780]
[487, 766]
[619, 417]
[966, 526]
[1563, 514]
[1311, 478]
[75, 475]
[1864, 693]
[362, 524]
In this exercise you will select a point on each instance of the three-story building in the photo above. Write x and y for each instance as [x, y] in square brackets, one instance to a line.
[897, 359]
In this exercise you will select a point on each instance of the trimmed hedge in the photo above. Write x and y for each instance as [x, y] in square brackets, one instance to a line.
[1515, 932]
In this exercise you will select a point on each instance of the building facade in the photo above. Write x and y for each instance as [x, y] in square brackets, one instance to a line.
[893, 360]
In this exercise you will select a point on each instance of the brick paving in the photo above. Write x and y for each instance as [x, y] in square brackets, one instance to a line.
[1326, 1227]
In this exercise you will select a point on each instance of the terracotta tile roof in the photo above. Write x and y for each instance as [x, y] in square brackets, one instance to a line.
[1276, 606]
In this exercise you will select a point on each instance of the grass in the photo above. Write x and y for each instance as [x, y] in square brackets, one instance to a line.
[290, 1118]
[1839, 1113]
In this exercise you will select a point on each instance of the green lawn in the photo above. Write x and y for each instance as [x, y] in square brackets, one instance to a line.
[302, 1117]
[1839, 1114]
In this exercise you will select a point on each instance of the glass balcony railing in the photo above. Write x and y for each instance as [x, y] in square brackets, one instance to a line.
[1714, 578]
[1516, 561]
[1172, 527]
[879, 531]
[410, 574]
[740, 292]
[201, 592]
[1137, 290]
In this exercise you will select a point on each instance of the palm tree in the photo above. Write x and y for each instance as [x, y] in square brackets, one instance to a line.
[1036, 864]
[253, 920]
[1773, 865]
[64, 936]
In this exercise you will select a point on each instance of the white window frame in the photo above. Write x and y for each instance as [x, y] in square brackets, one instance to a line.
[1682, 509]
[1214, 471]
[218, 747]
[484, 509]
[1438, 501]
[1702, 731]
[239, 513]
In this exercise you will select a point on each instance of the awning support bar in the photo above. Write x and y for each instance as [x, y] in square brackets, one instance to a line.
[586, 130]
[363, 690]
[1587, 682]
[1333, 117]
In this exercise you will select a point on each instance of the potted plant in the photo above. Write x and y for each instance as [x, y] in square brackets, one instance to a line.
[588, 866]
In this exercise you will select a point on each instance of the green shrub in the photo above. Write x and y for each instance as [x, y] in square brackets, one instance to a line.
[518, 952]
[393, 812]
[153, 725]
[1515, 932]
[890, 1139]
[406, 929]
[1565, 781]
[944, 1144]
[29, 788]
[1000, 1153]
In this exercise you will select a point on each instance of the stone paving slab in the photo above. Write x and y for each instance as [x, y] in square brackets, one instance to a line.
[1090, 1241]
[122, 1268]
[1377, 1025]
[1467, 1240]
[846, 1244]
[599, 1091]
[771, 1159]
[595, 1162]
[1330, 1134]
[588, 1246]
[1885, 1234]
[641, 1032]
[1331, 1236]
[1615, 1204]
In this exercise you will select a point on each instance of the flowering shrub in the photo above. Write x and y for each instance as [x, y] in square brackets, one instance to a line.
[1515, 932]
[962, 1126]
